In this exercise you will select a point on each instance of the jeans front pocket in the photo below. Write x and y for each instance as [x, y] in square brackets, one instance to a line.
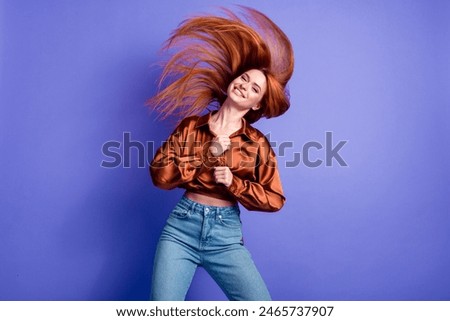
[180, 212]
[227, 231]
[229, 221]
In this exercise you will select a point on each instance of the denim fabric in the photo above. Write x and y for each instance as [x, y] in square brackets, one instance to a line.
[208, 236]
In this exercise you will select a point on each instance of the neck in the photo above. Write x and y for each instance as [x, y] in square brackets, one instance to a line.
[228, 116]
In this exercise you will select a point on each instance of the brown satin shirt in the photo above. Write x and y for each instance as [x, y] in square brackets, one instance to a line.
[184, 160]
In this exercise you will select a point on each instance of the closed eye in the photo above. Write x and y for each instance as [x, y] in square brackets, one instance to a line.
[245, 77]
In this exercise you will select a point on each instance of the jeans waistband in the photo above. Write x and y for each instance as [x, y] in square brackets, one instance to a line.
[192, 205]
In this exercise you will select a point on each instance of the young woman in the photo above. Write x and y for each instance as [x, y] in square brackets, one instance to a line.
[219, 157]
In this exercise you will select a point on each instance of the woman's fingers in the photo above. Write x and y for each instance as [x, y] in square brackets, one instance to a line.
[220, 144]
[224, 141]
[223, 175]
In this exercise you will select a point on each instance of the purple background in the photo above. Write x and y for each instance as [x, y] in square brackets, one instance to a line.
[75, 75]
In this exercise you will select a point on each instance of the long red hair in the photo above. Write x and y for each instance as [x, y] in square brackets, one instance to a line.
[210, 51]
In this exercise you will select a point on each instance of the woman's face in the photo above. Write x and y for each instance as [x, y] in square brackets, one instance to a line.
[247, 90]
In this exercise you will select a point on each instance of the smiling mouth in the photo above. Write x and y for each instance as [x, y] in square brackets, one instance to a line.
[239, 92]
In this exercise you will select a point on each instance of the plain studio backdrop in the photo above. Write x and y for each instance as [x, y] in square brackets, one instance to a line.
[370, 225]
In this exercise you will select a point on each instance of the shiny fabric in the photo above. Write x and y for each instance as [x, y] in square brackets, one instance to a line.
[185, 161]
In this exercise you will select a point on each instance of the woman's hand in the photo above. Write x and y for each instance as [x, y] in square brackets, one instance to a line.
[219, 145]
[222, 174]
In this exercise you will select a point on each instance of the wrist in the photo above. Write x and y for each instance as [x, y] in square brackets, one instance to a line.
[234, 185]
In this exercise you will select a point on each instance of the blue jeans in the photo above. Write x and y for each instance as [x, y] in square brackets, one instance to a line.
[208, 236]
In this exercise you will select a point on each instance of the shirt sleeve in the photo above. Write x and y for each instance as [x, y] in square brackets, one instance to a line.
[171, 167]
[265, 194]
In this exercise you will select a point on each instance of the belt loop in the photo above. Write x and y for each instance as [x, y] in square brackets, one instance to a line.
[192, 206]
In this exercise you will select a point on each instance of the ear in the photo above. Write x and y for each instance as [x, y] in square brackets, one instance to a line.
[256, 107]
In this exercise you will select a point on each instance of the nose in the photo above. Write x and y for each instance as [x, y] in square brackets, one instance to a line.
[242, 86]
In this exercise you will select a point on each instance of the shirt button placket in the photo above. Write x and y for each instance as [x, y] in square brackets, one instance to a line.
[222, 161]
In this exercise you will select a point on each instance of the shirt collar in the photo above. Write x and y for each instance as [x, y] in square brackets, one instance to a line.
[244, 130]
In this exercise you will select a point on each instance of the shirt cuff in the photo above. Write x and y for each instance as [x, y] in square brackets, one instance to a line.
[236, 185]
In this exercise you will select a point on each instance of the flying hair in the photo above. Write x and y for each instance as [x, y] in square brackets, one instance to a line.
[208, 52]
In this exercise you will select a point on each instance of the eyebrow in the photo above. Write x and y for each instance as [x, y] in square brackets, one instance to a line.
[248, 77]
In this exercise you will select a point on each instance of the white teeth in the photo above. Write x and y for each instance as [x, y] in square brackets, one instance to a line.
[239, 92]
